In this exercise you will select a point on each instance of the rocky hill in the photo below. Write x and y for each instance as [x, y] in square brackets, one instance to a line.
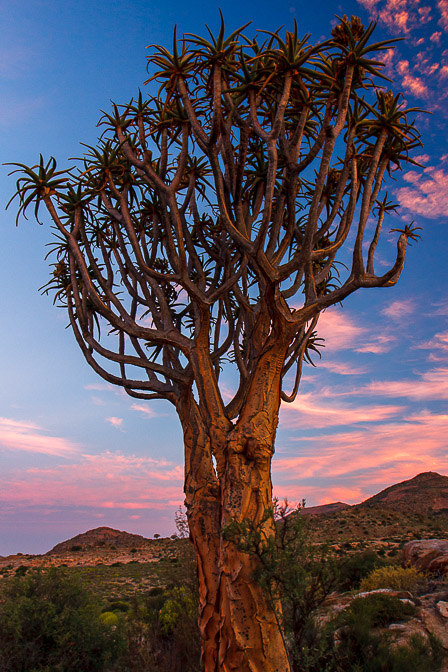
[101, 537]
[324, 509]
[412, 509]
[425, 493]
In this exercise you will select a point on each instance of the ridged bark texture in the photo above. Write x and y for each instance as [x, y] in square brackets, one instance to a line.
[239, 627]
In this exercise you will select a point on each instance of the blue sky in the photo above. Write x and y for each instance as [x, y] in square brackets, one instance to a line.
[76, 453]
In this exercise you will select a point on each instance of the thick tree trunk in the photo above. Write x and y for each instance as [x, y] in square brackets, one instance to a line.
[239, 627]
[251, 638]
[202, 499]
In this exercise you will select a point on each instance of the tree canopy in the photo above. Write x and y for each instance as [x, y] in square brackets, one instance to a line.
[227, 193]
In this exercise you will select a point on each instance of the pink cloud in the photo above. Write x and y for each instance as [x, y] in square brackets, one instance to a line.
[370, 5]
[428, 195]
[398, 310]
[439, 340]
[107, 480]
[115, 422]
[422, 158]
[27, 436]
[308, 412]
[399, 16]
[342, 368]
[381, 343]
[100, 387]
[365, 460]
[425, 14]
[443, 8]
[411, 83]
[440, 308]
[438, 345]
[430, 385]
[146, 409]
[341, 332]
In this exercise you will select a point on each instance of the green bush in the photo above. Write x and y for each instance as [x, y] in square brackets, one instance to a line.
[356, 567]
[293, 572]
[396, 578]
[163, 634]
[109, 618]
[358, 646]
[377, 610]
[117, 605]
[49, 624]
[180, 605]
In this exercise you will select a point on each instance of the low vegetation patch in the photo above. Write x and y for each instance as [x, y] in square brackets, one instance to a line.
[396, 578]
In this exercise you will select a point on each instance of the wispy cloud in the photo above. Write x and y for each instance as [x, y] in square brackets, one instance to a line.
[307, 411]
[363, 460]
[146, 409]
[341, 332]
[108, 480]
[342, 368]
[115, 422]
[399, 310]
[100, 387]
[429, 385]
[438, 345]
[27, 436]
[428, 195]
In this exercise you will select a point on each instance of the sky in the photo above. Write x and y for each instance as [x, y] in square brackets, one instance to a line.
[76, 453]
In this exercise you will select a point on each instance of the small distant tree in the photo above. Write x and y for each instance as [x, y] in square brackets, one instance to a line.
[203, 233]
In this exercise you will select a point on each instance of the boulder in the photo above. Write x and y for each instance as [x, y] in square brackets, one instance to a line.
[430, 555]
[403, 595]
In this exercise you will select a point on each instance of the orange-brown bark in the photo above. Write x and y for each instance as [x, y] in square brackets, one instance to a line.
[239, 627]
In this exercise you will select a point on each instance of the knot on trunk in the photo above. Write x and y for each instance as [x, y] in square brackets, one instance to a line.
[250, 449]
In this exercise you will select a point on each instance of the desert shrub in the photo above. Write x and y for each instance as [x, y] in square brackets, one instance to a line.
[109, 618]
[356, 567]
[377, 610]
[396, 578]
[117, 605]
[162, 623]
[48, 623]
[163, 635]
[359, 647]
[180, 604]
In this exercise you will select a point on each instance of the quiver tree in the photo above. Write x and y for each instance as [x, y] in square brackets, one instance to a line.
[202, 234]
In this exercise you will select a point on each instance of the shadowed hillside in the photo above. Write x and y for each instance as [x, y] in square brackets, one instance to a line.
[425, 493]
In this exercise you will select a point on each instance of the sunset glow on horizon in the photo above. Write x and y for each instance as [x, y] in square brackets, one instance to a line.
[76, 452]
